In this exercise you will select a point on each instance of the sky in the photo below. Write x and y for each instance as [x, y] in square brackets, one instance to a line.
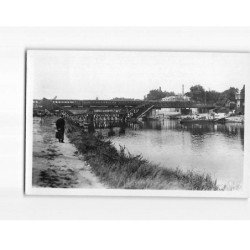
[70, 74]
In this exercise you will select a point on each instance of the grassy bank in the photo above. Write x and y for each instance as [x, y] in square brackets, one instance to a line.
[118, 169]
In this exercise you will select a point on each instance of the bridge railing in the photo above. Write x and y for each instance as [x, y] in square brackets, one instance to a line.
[133, 104]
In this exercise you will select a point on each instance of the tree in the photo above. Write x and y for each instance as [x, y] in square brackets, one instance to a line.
[212, 96]
[197, 93]
[157, 94]
[228, 95]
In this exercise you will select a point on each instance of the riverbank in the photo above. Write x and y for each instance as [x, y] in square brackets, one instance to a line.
[118, 169]
[58, 165]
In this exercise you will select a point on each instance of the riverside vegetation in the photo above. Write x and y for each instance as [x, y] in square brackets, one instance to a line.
[118, 169]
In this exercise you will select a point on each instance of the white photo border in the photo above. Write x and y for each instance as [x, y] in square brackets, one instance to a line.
[30, 190]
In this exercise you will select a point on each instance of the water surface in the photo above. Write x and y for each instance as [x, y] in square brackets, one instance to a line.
[216, 149]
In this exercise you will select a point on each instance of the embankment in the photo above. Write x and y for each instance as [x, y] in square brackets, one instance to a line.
[118, 169]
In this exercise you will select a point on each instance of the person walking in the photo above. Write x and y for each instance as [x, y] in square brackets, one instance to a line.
[60, 126]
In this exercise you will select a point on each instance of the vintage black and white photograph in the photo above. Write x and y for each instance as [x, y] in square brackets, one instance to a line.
[135, 122]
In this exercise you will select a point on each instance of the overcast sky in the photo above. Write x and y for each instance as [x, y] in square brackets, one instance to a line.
[109, 74]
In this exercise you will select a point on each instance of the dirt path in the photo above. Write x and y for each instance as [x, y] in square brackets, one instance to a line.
[55, 164]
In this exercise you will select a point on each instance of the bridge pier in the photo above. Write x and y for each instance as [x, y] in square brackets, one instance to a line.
[186, 111]
[111, 130]
[90, 121]
[203, 110]
[122, 122]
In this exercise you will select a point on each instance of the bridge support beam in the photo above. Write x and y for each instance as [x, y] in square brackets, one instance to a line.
[122, 118]
[90, 121]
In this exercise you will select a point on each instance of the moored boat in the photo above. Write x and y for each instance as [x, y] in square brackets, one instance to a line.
[174, 117]
[196, 121]
[220, 120]
[235, 119]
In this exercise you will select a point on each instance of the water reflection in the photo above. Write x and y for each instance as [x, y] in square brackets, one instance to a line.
[228, 129]
[210, 148]
[231, 129]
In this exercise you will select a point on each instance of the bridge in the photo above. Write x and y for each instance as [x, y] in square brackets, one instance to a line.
[104, 104]
[108, 113]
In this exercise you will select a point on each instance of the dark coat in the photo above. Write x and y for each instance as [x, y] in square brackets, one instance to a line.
[60, 124]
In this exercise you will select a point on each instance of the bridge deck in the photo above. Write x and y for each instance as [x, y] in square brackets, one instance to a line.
[102, 104]
[107, 113]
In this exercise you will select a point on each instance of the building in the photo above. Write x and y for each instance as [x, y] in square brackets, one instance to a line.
[240, 103]
[174, 111]
[230, 104]
[175, 98]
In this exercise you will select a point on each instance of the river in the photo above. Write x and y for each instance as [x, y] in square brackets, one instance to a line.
[216, 149]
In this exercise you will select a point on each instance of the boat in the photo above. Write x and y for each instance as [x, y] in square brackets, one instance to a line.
[174, 117]
[231, 119]
[235, 119]
[196, 121]
[221, 120]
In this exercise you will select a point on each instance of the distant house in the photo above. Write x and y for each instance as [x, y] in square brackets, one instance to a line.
[174, 98]
[174, 111]
[230, 104]
[240, 103]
